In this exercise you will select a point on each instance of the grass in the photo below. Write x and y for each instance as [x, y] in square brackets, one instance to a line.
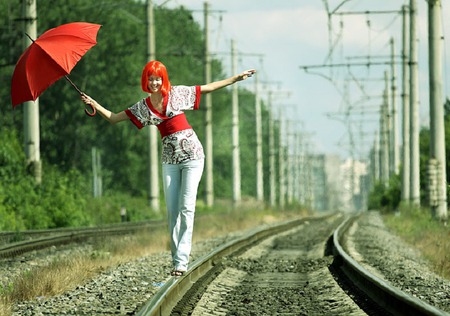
[429, 235]
[65, 274]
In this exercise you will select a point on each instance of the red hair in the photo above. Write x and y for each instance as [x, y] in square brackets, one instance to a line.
[155, 68]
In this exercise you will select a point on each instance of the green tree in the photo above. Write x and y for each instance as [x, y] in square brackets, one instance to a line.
[110, 72]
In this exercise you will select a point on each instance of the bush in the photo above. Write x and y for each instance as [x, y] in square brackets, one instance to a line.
[58, 202]
[64, 198]
[386, 198]
[106, 209]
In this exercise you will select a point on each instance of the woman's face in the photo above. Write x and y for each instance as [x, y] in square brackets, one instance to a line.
[154, 83]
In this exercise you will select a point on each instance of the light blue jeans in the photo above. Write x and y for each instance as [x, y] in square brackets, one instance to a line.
[180, 190]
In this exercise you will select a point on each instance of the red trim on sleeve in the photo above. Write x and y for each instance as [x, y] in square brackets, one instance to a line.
[198, 94]
[134, 119]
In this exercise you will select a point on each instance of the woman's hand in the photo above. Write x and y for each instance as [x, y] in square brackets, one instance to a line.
[111, 117]
[246, 74]
[89, 101]
[213, 86]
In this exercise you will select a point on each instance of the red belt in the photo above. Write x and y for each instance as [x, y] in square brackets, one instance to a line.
[173, 125]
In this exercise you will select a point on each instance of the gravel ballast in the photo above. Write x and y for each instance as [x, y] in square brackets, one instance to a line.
[122, 290]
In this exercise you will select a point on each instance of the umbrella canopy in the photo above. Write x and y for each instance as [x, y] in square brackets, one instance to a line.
[50, 57]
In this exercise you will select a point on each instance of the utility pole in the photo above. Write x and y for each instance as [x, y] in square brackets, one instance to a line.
[209, 187]
[272, 171]
[259, 157]
[405, 195]
[414, 108]
[384, 133]
[96, 172]
[290, 174]
[235, 133]
[272, 186]
[437, 130]
[297, 167]
[388, 122]
[309, 184]
[31, 109]
[305, 178]
[152, 133]
[394, 160]
[281, 163]
[301, 170]
[293, 161]
[376, 159]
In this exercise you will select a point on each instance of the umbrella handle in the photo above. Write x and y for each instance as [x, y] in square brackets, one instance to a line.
[94, 111]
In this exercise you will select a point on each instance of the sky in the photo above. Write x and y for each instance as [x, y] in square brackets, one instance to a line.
[279, 37]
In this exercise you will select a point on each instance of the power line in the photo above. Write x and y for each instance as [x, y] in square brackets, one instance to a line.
[367, 64]
[368, 12]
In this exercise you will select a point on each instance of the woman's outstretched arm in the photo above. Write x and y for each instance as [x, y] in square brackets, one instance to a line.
[213, 86]
[111, 117]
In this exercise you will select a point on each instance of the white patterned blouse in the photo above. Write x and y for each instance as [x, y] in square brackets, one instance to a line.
[179, 141]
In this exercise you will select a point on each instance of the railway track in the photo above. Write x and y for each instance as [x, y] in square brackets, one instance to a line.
[296, 268]
[17, 243]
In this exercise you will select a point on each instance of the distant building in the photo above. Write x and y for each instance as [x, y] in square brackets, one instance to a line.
[335, 185]
[354, 179]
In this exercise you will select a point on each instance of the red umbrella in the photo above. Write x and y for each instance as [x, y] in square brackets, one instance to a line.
[50, 57]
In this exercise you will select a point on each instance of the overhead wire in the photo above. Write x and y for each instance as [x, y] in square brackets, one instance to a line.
[372, 38]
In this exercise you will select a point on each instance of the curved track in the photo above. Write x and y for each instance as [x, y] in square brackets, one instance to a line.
[297, 266]
[385, 295]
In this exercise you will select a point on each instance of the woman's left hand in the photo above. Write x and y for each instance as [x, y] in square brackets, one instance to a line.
[90, 102]
[246, 74]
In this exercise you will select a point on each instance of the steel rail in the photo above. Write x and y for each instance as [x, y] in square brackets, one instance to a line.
[384, 294]
[163, 302]
[40, 239]
[5, 235]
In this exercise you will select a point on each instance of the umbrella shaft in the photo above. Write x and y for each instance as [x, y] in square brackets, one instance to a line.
[73, 85]
[29, 37]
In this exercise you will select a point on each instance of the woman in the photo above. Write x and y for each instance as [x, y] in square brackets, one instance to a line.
[182, 153]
